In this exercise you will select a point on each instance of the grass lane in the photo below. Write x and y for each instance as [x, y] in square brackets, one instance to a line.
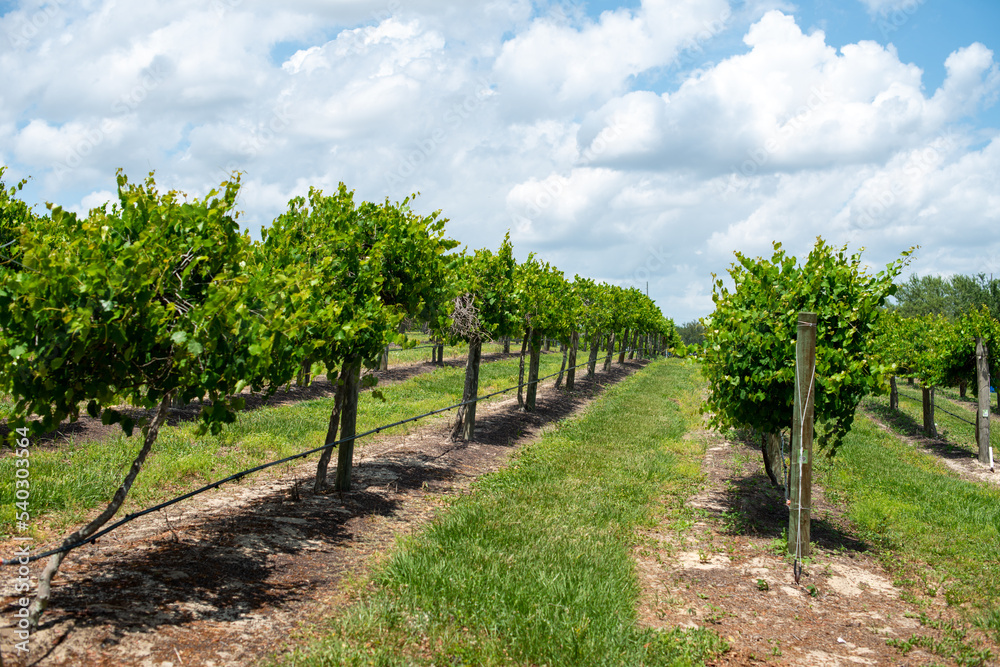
[534, 567]
[909, 419]
[938, 533]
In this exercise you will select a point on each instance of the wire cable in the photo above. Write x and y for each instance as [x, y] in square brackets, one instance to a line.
[938, 407]
[214, 485]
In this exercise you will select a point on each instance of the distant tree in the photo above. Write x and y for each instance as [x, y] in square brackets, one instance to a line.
[976, 292]
[951, 297]
[692, 333]
[927, 295]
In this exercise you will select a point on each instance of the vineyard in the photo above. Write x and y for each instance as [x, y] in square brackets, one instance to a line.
[518, 475]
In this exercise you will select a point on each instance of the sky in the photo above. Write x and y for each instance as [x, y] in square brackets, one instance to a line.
[637, 143]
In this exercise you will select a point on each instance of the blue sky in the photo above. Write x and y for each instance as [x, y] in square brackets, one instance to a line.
[628, 142]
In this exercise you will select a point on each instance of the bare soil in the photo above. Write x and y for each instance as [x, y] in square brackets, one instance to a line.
[228, 577]
[729, 572]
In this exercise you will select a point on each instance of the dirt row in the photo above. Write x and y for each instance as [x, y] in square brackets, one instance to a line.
[729, 572]
[228, 577]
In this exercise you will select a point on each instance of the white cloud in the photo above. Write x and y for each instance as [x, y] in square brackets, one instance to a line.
[553, 68]
[94, 200]
[791, 102]
[504, 119]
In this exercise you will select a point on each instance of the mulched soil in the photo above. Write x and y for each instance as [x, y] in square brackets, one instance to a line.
[728, 572]
[227, 577]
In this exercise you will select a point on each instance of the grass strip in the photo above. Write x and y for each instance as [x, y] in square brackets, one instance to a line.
[936, 531]
[70, 479]
[534, 567]
[460, 351]
[909, 419]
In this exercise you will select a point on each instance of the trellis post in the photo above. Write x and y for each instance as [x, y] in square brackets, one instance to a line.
[983, 413]
[800, 492]
[928, 403]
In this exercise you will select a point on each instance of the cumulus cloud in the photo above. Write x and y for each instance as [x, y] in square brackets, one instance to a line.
[583, 66]
[507, 116]
[791, 102]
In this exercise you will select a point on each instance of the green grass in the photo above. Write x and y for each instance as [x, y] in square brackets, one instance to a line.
[534, 567]
[412, 356]
[909, 419]
[71, 478]
[939, 533]
[6, 405]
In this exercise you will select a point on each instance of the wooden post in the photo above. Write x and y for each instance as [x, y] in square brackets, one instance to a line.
[893, 394]
[525, 337]
[962, 386]
[623, 348]
[595, 349]
[802, 437]
[929, 429]
[535, 348]
[384, 365]
[574, 342]
[348, 423]
[983, 411]
[506, 344]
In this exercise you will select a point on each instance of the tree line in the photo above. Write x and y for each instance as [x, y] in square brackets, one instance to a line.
[951, 297]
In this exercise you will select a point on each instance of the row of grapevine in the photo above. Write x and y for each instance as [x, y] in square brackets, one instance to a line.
[156, 299]
[935, 350]
[749, 356]
[940, 352]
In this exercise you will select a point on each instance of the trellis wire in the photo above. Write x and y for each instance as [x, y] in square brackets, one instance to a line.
[214, 485]
[938, 407]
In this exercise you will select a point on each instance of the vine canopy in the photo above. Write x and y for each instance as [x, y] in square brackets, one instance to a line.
[750, 345]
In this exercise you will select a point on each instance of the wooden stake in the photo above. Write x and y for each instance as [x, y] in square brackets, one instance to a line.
[535, 348]
[928, 400]
[802, 437]
[574, 342]
[348, 423]
[983, 413]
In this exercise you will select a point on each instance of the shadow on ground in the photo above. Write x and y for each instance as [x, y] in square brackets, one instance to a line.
[283, 547]
[908, 426]
[753, 506]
